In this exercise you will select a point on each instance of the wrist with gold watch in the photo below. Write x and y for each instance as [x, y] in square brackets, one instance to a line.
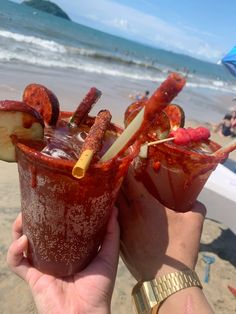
[148, 295]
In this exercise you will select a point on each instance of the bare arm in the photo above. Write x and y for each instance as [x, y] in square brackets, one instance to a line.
[156, 241]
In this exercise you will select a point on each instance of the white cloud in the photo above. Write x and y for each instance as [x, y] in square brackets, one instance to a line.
[137, 25]
[120, 23]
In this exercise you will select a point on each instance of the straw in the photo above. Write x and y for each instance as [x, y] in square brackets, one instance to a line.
[82, 164]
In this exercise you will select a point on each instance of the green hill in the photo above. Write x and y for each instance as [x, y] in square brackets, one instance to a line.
[47, 6]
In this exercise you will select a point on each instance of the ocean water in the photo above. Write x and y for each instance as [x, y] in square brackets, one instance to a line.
[34, 38]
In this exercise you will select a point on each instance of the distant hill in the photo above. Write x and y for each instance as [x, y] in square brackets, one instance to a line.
[47, 6]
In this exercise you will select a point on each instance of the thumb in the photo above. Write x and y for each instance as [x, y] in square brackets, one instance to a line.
[15, 257]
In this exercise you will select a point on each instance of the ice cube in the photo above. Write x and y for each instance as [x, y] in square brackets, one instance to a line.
[56, 153]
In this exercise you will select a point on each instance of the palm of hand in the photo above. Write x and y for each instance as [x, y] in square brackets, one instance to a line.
[55, 295]
[88, 291]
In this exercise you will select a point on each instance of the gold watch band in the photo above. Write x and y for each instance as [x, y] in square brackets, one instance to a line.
[148, 295]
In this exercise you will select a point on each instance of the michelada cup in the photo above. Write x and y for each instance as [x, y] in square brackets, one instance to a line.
[175, 174]
[65, 218]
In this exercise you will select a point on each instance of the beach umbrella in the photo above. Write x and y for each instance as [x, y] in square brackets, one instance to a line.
[229, 61]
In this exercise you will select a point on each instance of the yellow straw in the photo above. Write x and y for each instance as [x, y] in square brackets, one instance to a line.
[82, 164]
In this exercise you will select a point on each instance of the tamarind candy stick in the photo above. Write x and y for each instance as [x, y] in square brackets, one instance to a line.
[92, 144]
[162, 97]
[84, 107]
[140, 125]
[228, 148]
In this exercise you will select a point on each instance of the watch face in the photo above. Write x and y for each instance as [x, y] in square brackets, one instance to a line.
[148, 295]
[144, 298]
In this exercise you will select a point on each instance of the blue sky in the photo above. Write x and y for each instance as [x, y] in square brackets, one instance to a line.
[199, 28]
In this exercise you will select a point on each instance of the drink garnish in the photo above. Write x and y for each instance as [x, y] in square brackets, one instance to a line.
[18, 121]
[92, 143]
[84, 107]
[161, 128]
[225, 150]
[184, 136]
[147, 116]
[171, 118]
[144, 148]
[44, 101]
[180, 136]
[176, 116]
[132, 111]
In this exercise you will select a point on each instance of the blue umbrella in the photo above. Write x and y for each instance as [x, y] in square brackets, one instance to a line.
[229, 61]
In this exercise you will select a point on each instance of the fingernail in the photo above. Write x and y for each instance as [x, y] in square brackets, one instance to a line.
[22, 239]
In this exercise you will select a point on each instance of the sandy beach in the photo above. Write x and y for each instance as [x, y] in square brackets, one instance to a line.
[218, 240]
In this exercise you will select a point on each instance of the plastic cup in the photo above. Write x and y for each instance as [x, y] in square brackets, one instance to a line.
[65, 218]
[175, 175]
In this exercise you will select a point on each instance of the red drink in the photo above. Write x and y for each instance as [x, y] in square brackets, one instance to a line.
[174, 174]
[65, 218]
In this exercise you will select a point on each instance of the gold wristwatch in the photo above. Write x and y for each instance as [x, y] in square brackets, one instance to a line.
[148, 295]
